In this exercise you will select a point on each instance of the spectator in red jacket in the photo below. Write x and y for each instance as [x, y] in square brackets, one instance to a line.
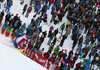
[78, 65]
[93, 32]
[28, 11]
[50, 1]
[46, 55]
[70, 62]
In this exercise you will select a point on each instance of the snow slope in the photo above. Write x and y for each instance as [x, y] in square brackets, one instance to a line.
[11, 59]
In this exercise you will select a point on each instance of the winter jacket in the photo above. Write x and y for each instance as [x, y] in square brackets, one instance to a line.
[60, 16]
[15, 24]
[19, 32]
[53, 8]
[30, 32]
[23, 27]
[83, 63]
[78, 65]
[70, 62]
[29, 9]
[56, 51]
[10, 3]
[51, 59]
[18, 25]
[68, 30]
[85, 50]
[2, 15]
[68, 23]
[50, 1]
[51, 28]
[79, 46]
[62, 26]
[65, 67]
[7, 17]
[65, 60]
[9, 29]
[58, 2]
[15, 18]
[93, 32]
[88, 62]
[50, 48]
[52, 35]
[46, 8]
[38, 7]
[75, 32]
[80, 51]
[87, 67]
[25, 7]
[4, 26]
[29, 27]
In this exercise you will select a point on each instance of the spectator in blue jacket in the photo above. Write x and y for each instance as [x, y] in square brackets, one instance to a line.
[38, 7]
[23, 27]
[88, 61]
[4, 27]
[87, 67]
[65, 67]
[10, 3]
[29, 26]
[53, 9]
[19, 31]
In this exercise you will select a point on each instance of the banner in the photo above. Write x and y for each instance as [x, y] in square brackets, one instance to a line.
[39, 58]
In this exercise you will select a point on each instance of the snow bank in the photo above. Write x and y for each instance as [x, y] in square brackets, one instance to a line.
[10, 59]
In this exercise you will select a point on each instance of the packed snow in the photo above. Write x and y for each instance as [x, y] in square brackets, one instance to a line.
[11, 59]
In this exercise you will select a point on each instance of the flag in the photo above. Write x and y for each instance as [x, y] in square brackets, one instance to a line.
[39, 58]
